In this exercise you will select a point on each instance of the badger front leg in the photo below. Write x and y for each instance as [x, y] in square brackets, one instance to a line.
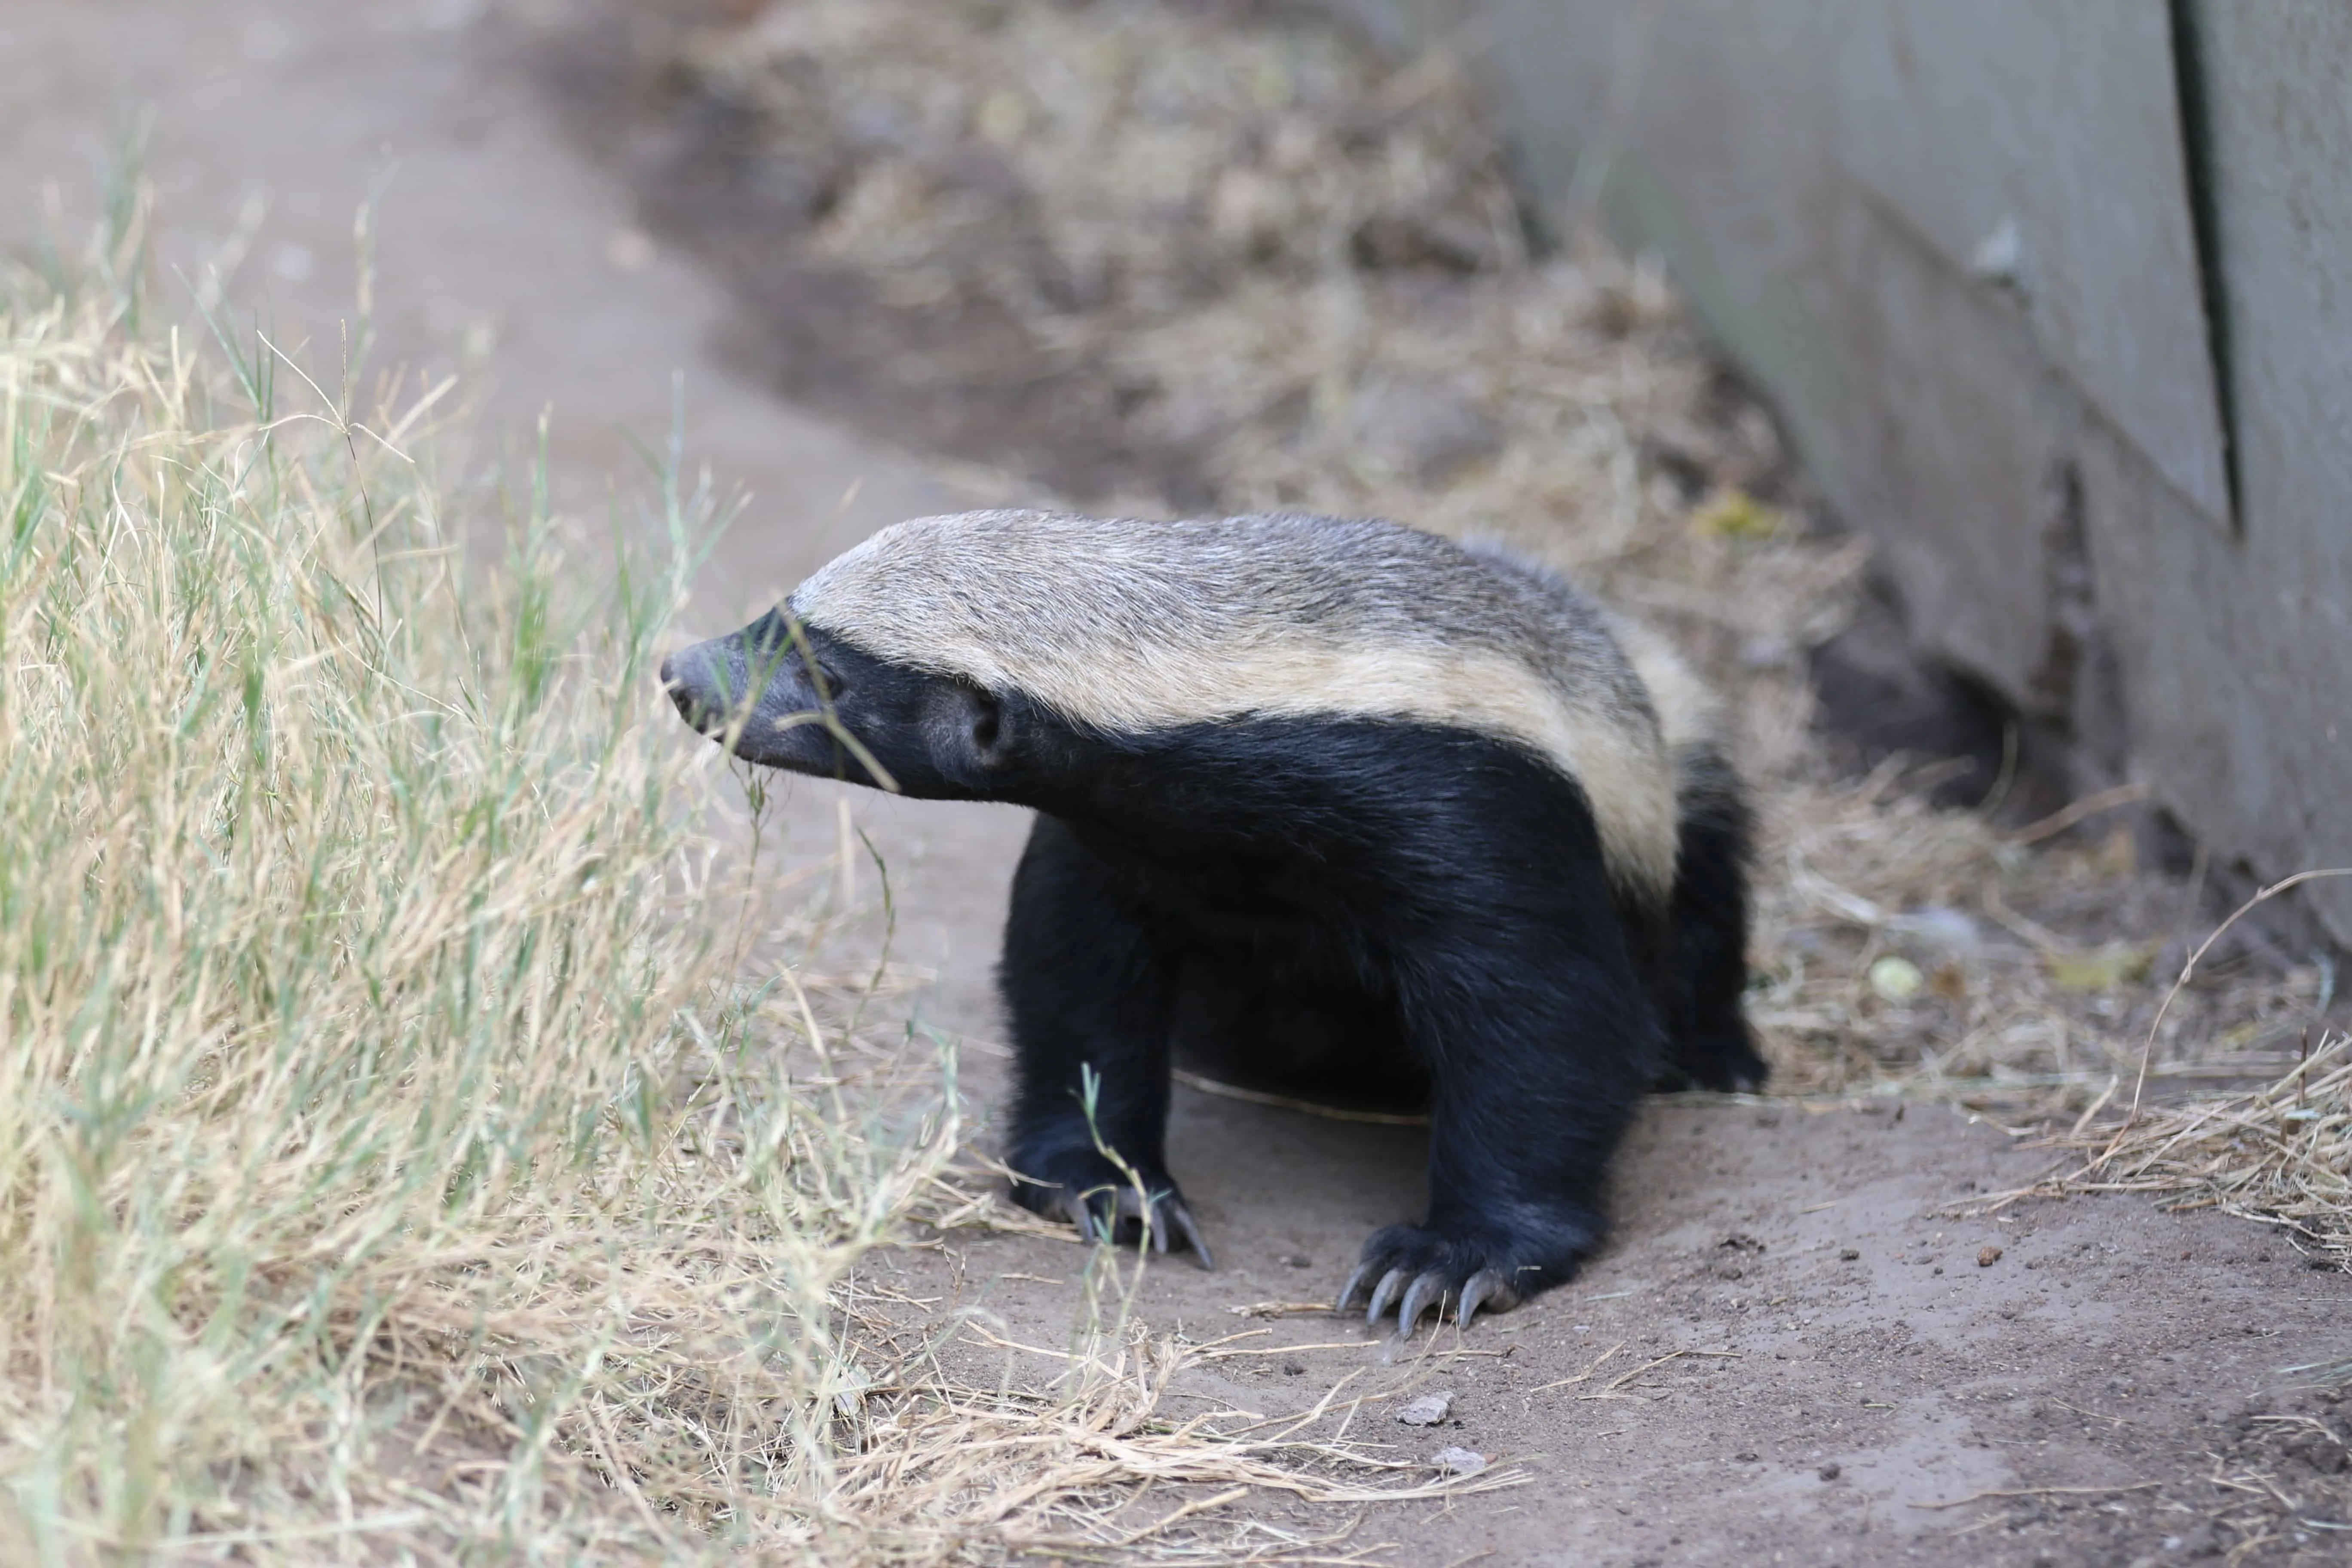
[1091, 999]
[1538, 1049]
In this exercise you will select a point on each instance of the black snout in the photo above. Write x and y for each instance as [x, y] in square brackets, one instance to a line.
[707, 681]
[757, 686]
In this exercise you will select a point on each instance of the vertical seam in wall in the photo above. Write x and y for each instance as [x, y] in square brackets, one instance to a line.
[2205, 230]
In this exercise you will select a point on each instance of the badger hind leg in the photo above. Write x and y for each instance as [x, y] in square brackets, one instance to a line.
[1709, 1043]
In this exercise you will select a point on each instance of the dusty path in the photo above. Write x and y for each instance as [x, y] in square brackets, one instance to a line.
[1847, 1360]
[1864, 1362]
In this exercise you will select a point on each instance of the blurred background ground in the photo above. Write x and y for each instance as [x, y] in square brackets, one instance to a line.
[906, 257]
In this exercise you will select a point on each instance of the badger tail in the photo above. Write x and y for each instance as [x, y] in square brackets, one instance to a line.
[1709, 1043]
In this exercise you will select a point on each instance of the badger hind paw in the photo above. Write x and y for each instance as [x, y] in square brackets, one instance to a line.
[1724, 1060]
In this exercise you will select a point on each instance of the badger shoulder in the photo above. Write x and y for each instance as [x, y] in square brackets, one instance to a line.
[1131, 627]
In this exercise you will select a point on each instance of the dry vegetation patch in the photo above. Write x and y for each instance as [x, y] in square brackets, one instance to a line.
[2280, 1154]
[410, 1147]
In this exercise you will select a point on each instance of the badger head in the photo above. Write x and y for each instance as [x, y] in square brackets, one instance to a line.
[784, 694]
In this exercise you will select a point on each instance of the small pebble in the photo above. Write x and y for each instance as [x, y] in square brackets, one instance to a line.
[1849, 1254]
[1457, 1462]
[1293, 1369]
[1829, 1471]
[1987, 1255]
[1746, 1457]
[1428, 1410]
[1896, 979]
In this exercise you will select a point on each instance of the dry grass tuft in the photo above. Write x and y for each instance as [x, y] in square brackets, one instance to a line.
[2280, 1154]
[397, 1159]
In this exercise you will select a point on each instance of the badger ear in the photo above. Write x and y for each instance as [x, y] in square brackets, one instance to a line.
[973, 736]
[988, 730]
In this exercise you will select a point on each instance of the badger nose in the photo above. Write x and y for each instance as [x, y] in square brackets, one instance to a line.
[684, 676]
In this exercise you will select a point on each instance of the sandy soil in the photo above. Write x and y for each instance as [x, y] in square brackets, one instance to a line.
[1866, 1375]
[1856, 1386]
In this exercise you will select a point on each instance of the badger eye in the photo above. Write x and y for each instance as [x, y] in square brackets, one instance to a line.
[986, 720]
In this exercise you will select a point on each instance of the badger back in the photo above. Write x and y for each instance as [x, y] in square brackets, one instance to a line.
[1133, 627]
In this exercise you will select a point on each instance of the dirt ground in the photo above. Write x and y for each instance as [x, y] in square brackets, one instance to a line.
[1803, 1347]
[1854, 1385]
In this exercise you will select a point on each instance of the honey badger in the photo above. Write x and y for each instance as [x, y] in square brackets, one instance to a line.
[1339, 805]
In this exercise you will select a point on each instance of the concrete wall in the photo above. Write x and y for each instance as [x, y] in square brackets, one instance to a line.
[2055, 300]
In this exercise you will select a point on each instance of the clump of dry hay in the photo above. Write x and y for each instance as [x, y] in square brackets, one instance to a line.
[1300, 266]
[2280, 1154]
[393, 1164]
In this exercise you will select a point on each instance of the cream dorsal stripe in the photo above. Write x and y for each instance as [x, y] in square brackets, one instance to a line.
[1137, 627]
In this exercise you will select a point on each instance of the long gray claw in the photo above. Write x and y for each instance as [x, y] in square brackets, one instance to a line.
[1427, 1292]
[1348, 1291]
[1476, 1291]
[1101, 1214]
[1183, 1221]
[1383, 1293]
[1096, 1227]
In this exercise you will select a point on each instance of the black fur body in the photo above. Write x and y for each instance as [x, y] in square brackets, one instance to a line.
[1351, 906]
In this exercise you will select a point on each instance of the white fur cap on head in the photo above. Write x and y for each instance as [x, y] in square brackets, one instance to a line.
[1136, 627]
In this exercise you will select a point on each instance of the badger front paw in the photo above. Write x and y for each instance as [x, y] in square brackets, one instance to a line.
[1081, 1187]
[1417, 1269]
